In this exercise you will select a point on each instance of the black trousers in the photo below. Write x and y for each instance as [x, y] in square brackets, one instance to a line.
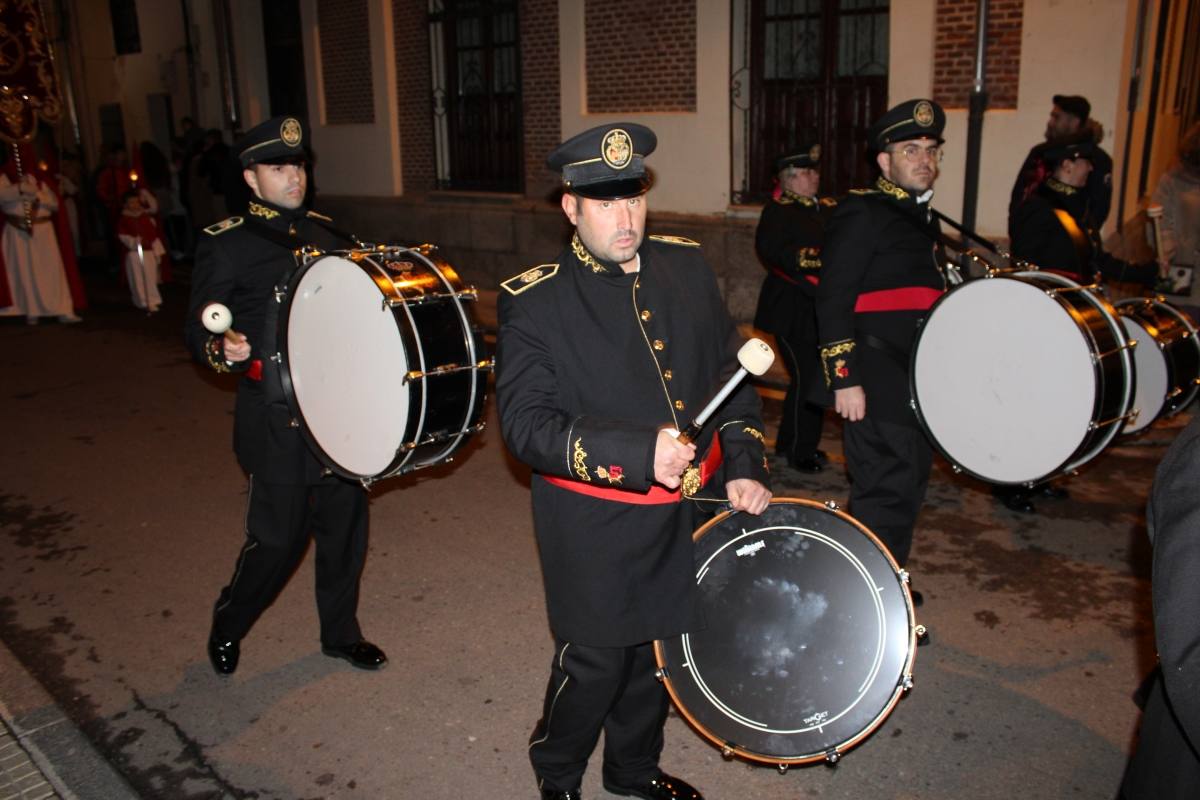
[800, 424]
[279, 521]
[889, 468]
[599, 688]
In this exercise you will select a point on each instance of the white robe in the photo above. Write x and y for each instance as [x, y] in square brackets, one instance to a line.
[36, 276]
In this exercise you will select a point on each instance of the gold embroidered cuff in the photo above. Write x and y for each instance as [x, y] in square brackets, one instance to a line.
[831, 352]
[215, 353]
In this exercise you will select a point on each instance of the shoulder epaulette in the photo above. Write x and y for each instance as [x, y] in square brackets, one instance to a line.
[530, 277]
[224, 225]
[784, 200]
[829, 202]
[864, 191]
[680, 240]
[322, 217]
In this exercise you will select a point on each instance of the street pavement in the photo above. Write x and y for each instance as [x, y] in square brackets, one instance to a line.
[121, 516]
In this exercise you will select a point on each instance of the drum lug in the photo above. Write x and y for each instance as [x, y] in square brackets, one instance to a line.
[783, 768]
[660, 674]
[277, 358]
[956, 469]
[832, 505]
[832, 756]
[727, 752]
[904, 577]
[907, 682]
[293, 423]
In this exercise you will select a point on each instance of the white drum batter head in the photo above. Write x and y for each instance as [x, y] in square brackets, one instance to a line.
[1150, 366]
[1004, 381]
[347, 362]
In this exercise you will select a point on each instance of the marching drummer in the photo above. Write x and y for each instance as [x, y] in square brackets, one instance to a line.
[622, 337]
[239, 262]
[880, 274]
[788, 241]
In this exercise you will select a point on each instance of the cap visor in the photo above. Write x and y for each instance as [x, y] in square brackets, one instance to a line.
[613, 190]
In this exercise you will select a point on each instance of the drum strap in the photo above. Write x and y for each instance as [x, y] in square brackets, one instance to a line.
[657, 496]
[887, 348]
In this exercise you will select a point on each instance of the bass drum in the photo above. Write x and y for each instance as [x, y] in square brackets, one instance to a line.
[1021, 377]
[380, 361]
[810, 636]
[1167, 359]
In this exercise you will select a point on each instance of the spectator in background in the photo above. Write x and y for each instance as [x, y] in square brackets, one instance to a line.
[206, 175]
[39, 277]
[1069, 121]
[1178, 192]
[143, 250]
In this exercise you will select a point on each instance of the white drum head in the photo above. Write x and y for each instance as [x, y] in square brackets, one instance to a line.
[1004, 381]
[1150, 366]
[347, 364]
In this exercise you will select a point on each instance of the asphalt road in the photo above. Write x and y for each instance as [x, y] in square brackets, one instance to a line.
[120, 519]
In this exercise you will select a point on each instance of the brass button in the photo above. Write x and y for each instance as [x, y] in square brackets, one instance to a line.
[666, 375]
[679, 405]
[645, 316]
[659, 344]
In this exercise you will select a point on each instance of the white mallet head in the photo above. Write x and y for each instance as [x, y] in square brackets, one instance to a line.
[756, 356]
[1155, 211]
[216, 317]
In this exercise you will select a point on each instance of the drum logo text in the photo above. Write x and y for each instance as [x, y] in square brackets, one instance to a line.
[817, 719]
[750, 549]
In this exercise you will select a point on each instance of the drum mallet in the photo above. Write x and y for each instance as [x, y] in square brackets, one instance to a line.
[755, 357]
[217, 318]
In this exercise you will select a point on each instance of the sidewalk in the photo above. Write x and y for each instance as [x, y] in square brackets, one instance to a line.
[43, 756]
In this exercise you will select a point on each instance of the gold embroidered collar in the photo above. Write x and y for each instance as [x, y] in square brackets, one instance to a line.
[583, 255]
[259, 210]
[887, 187]
[1060, 187]
[808, 202]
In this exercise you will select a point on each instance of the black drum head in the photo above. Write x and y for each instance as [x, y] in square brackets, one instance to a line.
[808, 639]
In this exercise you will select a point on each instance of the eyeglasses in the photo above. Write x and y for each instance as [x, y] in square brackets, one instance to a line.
[914, 153]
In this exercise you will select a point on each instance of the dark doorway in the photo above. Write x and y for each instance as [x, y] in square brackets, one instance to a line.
[480, 95]
[817, 67]
[284, 45]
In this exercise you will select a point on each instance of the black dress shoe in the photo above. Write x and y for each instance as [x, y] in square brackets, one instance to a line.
[1014, 498]
[361, 654]
[223, 655]
[559, 794]
[811, 464]
[663, 787]
[821, 456]
[1051, 491]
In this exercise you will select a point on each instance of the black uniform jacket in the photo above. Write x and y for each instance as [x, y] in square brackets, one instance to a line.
[590, 364]
[1166, 765]
[238, 266]
[1098, 191]
[879, 239]
[790, 234]
[1053, 230]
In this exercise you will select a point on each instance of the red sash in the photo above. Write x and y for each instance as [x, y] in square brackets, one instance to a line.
[658, 495]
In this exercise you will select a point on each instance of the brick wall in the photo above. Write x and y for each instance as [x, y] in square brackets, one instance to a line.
[410, 19]
[640, 56]
[540, 92]
[346, 61]
[954, 52]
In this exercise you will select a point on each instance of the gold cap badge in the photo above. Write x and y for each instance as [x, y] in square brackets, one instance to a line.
[290, 132]
[616, 149]
[923, 114]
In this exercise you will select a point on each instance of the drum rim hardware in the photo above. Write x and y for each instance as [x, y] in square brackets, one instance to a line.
[831, 751]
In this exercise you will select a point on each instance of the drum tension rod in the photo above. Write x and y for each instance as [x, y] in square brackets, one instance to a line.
[446, 369]
[1129, 345]
[1132, 415]
[466, 294]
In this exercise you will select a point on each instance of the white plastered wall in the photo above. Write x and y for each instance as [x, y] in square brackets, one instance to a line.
[356, 159]
[691, 164]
